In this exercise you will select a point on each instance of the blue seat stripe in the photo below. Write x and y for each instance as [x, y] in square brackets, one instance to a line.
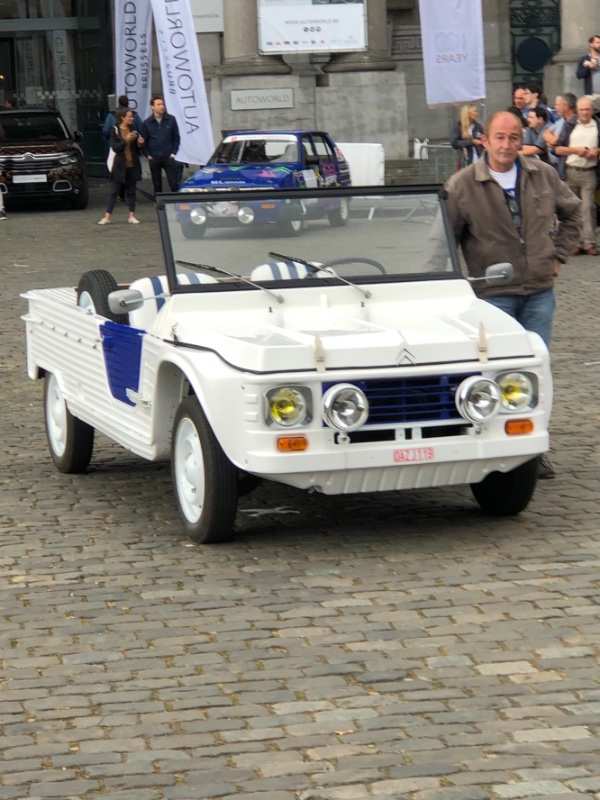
[292, 268]
[158, 290]
[193, 277]
[275, 270]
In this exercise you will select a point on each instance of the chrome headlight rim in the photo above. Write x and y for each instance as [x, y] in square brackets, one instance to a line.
[245, 215]
[529, 385]
[300, 415]
[332, 417]
[198, 215]
[466, 399]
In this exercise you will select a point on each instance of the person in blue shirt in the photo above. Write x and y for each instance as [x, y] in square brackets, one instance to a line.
[162, 140]
[534, 143]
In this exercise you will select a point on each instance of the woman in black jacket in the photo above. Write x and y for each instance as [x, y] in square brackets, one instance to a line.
[466, 135]
[126, 168]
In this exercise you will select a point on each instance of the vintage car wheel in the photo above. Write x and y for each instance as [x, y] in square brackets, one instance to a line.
[70, 440]
[504, 494]
[192, 231]
[92, 293]
[339, 216]
[205, 481]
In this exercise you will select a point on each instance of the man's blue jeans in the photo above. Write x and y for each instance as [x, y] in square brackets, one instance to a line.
[533, 311]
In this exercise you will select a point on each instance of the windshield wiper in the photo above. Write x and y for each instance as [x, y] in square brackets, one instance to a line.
[319, 268]
[208, 268]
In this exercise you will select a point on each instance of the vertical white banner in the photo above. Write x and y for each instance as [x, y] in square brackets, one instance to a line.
[63, 62]
[133, 53]
[453, 53]
[182, 78]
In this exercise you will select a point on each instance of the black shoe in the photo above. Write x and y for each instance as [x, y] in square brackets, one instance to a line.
[545, 469]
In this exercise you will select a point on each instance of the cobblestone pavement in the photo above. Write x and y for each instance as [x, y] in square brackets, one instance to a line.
[392, 646]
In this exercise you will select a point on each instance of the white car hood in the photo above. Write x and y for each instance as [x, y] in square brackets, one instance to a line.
[419, 323]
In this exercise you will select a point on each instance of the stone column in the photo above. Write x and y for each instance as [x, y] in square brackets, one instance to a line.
[376, 57]
[580, 19]
[240, 39]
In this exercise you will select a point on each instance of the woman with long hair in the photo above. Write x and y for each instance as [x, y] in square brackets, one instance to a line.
[126, 168]
[466, 135]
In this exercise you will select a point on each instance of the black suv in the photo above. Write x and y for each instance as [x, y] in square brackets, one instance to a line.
[39, 158]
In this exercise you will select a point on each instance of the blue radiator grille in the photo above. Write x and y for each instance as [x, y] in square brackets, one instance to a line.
[411, 400]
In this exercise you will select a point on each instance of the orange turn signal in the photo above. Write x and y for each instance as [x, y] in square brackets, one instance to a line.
[518, 427]
[292, 444]
[184, 208]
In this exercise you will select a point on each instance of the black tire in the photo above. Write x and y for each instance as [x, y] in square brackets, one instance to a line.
[191, 231]
[290, 227]
[338, 218]
[504, 494]
[93, 290]
[247, 483]
[70, 441]
[80, 201]
[204, 480]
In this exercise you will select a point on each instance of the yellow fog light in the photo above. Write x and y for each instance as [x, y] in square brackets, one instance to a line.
[517, 391]
[288, 406]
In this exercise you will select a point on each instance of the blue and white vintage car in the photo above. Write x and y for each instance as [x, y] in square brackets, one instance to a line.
[360, 360]
[269, 160]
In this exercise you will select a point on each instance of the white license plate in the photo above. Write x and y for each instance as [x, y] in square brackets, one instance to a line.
[30, 178]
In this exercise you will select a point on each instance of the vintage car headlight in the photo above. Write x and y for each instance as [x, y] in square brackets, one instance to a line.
[478, 399]
[245, 215]
[518, 390]
[198, 215]
[345, 407]
[288, 406]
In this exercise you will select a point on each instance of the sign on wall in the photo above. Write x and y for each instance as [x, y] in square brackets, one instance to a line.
[311, 26]
[253, 99]
[453, 53]
[208, 15]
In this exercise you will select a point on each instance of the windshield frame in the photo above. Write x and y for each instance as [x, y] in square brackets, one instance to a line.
[166, 200]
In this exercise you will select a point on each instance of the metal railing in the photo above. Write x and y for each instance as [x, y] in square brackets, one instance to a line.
[441, 162]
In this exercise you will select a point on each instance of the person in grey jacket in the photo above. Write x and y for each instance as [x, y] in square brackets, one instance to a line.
[503, 208]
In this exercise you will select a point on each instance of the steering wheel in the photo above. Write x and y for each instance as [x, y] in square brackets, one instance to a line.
[351, 260]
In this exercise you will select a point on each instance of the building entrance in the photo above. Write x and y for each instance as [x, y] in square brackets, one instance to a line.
[49, 58]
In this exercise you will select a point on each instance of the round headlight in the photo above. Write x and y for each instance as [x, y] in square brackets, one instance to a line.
[345, 407]
[198, 215]
[517, 391]
[478, 399]
[287, 406]
[245, 215]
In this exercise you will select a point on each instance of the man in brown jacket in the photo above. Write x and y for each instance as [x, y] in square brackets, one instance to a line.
[504, 208]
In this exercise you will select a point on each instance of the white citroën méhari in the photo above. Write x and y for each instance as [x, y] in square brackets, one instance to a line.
[352, 357]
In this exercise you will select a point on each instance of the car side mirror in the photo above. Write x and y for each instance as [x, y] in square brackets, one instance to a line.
[78, 136]
[122, 301]
[496, 274]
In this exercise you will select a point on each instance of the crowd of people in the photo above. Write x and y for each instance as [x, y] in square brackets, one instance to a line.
[156, 137]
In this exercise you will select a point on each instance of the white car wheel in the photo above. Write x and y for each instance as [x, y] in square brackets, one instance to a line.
[205, 481]
[71, 441]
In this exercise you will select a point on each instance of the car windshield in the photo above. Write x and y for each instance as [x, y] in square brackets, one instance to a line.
[24, 127]
[303, 235]
[252, 149]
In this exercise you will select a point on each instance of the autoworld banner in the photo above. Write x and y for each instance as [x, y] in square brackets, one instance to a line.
[182, 78]
[311, 26]
[453, 53]
[133, 53]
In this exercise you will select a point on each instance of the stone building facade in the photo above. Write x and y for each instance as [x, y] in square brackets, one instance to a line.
[380, 95]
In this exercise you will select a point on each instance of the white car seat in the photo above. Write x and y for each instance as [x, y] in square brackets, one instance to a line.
[153, 291]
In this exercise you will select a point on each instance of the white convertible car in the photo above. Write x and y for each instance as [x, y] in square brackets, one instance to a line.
[354, 359]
